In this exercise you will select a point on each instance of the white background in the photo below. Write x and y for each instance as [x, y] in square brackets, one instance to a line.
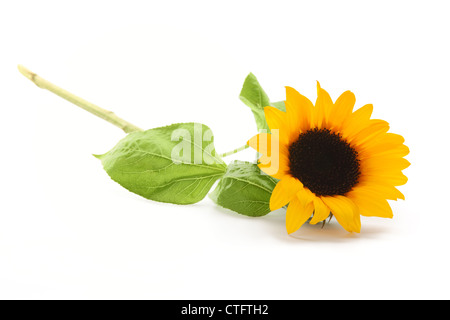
[68, 232]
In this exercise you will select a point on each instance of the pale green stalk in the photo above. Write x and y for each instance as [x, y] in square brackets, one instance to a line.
[229, 153]
[90, 107]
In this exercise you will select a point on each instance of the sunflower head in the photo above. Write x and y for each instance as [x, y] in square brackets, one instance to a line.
[330, 160]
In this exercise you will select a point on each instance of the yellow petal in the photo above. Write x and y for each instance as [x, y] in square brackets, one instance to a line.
[357, 120]
[362, 114]
[384, 191]
[261, 143]
[369, 205]
[270, 160]
[299, 111]
[345, 211]
[323, 107]
[342, 109]
[384, 164]
[387, 138]
[374, 128]
[394, 178]
[388, 144]
[305, 196]
[297, 215]
[269, 167]
[276, 119]
[383, 150]
[321, 211]
[284, 192]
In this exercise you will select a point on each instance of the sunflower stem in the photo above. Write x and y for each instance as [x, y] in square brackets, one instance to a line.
[229, 153]
[90, 107]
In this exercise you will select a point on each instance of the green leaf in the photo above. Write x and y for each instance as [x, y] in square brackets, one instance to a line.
[253, 95]
[245, 189]
[280, 105]
[176, 164]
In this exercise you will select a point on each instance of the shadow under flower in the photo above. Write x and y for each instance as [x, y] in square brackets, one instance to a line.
[331, 231]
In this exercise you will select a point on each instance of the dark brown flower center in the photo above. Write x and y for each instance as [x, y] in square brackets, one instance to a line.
[324, 162]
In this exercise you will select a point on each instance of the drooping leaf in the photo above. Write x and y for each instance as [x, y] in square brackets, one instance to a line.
[253, 95]
[244, 189]
[176, 164]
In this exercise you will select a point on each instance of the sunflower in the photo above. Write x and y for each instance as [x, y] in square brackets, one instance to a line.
[331, 161]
